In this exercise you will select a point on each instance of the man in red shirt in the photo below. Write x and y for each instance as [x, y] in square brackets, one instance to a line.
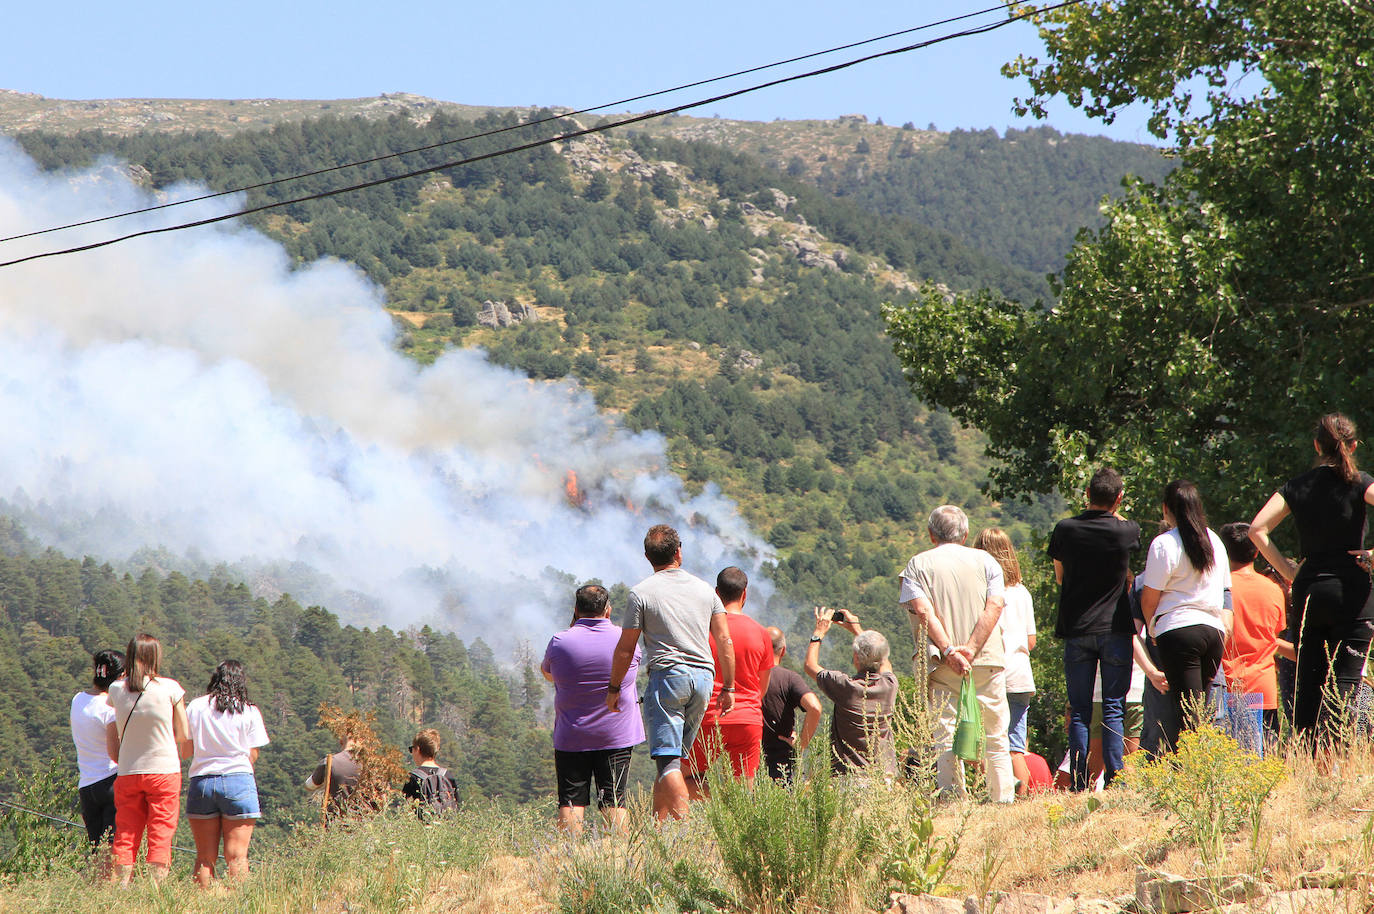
[1259, 617]
[739, 732]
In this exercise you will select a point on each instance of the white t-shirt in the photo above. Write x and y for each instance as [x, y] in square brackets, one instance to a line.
[91, 714]
[1018, 624]
[147, 744]
[1189, 597]
[222, 740]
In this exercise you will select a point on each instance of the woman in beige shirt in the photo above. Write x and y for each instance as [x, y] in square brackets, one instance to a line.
[147, 739]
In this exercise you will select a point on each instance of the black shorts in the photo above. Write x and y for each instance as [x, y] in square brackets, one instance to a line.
[610, 768]
[98, 809]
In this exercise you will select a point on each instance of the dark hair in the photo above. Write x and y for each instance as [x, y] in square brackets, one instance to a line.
[1236, 538]
[731, 584]
[143, 656]
[229, 686]
[590, 602]
[661, 543]
[1335, 436]
[108, 666]
[1105, 487]
[1185, 504]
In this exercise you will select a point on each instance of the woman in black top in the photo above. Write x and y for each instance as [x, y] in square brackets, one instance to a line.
[1332, 611]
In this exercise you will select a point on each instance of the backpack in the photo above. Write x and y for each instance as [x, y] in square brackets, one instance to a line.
[438, 791]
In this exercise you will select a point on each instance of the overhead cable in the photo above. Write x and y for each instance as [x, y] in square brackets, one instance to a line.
[489, 133]
[546, 141]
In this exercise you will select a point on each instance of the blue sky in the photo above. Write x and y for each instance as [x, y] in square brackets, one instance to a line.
[536, 52]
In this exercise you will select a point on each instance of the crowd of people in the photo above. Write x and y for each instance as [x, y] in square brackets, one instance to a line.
[1144, 656]
[1196, 633]
[133, 729]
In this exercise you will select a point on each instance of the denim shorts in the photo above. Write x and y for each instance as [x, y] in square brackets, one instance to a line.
[674, 704]
[1018, 703]
[228, 796]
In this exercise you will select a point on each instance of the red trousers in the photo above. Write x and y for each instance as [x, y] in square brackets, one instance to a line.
[145, 802]
[741, 742]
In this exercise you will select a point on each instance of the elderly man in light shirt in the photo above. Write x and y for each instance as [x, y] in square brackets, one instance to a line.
[954, 596]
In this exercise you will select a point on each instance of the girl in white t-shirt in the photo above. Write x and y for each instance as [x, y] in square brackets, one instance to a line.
[91, 716]
[1187, 584]
[1018, 640]
[222, 800]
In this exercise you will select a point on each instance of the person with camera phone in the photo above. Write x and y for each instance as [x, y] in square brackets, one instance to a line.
[861, 724]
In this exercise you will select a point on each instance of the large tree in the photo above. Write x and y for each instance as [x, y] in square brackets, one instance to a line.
[1216, 315]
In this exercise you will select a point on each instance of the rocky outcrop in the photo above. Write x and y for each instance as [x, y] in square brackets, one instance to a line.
[811, 255]
[498, 314]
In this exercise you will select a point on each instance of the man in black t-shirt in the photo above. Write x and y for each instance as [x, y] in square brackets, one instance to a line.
[1091, 555]
[787, 691]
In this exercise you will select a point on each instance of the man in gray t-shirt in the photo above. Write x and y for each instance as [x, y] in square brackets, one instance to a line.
[678, 614]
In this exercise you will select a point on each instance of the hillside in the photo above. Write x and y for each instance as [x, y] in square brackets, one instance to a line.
[1020, 198]
[692, 290]
[23, 111]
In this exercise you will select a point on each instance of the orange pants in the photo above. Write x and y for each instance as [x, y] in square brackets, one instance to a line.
[741, 742]
[150, 802]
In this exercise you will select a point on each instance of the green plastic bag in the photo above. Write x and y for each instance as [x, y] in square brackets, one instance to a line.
[968, 727]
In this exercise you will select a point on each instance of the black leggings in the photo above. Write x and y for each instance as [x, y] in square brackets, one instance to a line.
[98, 809]
[1189, 657]
[1332, 646]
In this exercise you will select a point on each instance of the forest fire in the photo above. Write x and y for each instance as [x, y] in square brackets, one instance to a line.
[576, 497]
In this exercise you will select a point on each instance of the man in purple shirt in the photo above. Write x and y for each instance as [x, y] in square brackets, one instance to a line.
[590, 741]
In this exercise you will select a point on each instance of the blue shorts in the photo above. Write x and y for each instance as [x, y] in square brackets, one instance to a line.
[674, 704]
[1018, 703]
[228, 796]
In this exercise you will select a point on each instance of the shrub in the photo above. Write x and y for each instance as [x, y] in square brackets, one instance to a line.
[807, 847]
[32, 844]
[1211, 786]
[662, 869]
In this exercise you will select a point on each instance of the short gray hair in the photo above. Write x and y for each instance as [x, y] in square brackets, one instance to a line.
[870, 650]
[948, 524]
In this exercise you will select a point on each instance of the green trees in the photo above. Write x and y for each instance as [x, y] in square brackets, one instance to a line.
[55, 611]
[1215, 315]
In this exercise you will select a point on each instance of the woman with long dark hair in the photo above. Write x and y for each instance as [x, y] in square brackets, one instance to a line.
[1332, 612]
[222, 800]
[144, 738]
[1184, 598]
[91, 715]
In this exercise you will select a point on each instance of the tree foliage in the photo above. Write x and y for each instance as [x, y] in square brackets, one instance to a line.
[1201, 331]
[56, 611]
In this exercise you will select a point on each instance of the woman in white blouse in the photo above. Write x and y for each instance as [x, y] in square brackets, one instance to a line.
[222, 799]
[1185, 599]
[1018, 640]
[91, 715]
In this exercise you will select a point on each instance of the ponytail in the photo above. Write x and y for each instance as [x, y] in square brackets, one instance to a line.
[1335, 436]
[1185, 504]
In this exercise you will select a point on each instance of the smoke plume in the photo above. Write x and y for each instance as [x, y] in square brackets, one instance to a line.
[197, 394]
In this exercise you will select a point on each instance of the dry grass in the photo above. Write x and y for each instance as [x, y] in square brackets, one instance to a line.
[1060, 845]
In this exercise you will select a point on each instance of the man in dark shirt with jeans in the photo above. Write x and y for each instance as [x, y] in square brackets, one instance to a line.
[1091, 555]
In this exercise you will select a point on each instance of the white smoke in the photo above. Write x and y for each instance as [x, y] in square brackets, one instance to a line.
[194, 393]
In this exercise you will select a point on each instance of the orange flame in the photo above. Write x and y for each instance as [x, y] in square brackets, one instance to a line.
[576, 497]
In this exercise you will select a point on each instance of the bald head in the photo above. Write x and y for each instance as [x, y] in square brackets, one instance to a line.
[779, 641]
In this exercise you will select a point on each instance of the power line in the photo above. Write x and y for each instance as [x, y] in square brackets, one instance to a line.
[535, 144]
[490, 133]
[58, 819]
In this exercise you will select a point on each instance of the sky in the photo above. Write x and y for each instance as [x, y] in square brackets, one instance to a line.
[534, 52]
